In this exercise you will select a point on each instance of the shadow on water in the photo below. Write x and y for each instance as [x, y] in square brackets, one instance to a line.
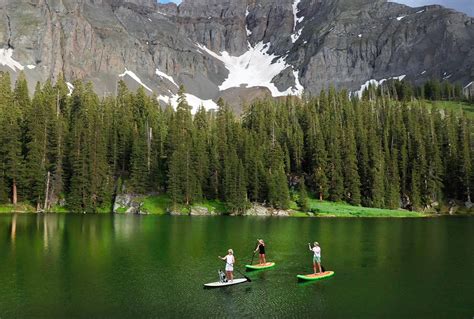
[304, 283]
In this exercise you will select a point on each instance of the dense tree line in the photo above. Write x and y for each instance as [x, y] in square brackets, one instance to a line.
[80, 150]
[433, 90]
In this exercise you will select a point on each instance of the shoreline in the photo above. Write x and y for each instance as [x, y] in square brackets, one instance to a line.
[160, 205]
[317, 216]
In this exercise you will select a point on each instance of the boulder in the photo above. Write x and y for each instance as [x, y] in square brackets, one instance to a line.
[200, 211]
[257, 210]
[127, 202]
[281, 213]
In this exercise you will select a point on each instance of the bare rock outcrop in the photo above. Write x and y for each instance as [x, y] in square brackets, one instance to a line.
[201, 42]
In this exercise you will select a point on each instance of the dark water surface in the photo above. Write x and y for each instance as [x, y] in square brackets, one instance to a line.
[83, 266]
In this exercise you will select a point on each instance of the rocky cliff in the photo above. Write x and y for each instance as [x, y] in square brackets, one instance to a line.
[228, 47]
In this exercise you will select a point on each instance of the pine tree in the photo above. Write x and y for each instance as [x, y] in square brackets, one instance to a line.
[350, 165]
[200, 151]
[376, 170]
[277, 182]
[90, 182]
[334, 168]
[451, 152]
[303, 201]
[316, 154]
[10, 139]
[36, 145]
[393, 187]
[182, 178]
[59, 110]
[142, 138]
[434, 163]
[465, 159]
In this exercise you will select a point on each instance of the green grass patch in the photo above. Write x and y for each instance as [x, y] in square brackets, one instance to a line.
[58, 209]
[156, 205]
[330, 209]
[293, 205]
[299, 214]
[456, 106]
[121, 210]
[105, 209]
[19, 208]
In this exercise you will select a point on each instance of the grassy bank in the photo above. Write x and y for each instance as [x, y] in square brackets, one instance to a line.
[26, 208]
[19, 208]
[456, 106]
[162, 205]
[330, 209]
[157, 205]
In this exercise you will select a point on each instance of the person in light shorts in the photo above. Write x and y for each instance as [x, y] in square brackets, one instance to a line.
[229, 264]
[316, 257]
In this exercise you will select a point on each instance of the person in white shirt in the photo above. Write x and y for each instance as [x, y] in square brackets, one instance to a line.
[229, 264]
[316, 257]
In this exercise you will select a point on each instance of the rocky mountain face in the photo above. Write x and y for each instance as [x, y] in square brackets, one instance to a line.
[234, 48]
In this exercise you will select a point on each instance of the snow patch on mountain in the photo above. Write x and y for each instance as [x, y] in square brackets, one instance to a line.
[6, 59]
[296, 36]
[192, 100]
[375, 83]
[299, 88]
[166, 76]
[296, 33]
[295, 14]
[400, 18]
[254, 68]
[249, 33]
[135, 77]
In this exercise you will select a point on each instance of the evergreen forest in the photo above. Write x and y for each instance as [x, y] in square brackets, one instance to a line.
[78, 150]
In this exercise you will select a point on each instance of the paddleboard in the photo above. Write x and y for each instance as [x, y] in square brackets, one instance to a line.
[318, 276]
[219, 284]
[260, 266]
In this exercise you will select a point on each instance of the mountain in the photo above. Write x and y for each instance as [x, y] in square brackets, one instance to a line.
[237, 49]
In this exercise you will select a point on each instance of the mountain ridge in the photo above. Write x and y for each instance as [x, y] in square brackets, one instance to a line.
[222, 48]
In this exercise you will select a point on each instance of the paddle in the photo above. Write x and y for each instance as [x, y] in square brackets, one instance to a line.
[254, 252]
[252, 257]
[248, 279]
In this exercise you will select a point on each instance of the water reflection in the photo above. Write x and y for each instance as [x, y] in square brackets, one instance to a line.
[59, 266]
[96, 235]
[13, 228]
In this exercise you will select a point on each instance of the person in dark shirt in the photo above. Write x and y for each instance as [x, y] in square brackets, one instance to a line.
[261, 251]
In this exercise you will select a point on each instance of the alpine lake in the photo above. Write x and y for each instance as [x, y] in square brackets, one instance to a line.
[117, 266]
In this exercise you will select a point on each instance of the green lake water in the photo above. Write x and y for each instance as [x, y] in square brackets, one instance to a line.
[103, 266]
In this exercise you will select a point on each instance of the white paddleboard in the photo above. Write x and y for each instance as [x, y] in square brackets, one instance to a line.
[224, 284]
